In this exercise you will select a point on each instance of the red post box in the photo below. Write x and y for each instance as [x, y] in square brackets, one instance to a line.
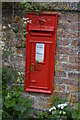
[40, 52]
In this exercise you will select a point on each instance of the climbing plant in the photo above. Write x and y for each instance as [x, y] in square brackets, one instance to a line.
[35, 7]
[15, 105]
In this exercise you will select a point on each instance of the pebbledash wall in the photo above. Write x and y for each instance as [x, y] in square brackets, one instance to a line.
[67, 59]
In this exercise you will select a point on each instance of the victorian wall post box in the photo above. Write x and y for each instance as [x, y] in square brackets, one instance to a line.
[40, 52]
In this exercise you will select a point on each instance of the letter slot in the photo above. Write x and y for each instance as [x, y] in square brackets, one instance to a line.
[42, 32]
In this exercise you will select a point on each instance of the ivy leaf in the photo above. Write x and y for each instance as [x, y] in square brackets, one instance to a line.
[22, 88]
[25, 35]
[12, 102]
[74, 114]
[18, 93]
[64, 117]
[21, 108]
[17, 107]
[31, 68]
[9, 103]
[58, 116]
[78, 115]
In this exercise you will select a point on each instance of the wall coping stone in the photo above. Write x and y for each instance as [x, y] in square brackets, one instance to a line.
[58, 6]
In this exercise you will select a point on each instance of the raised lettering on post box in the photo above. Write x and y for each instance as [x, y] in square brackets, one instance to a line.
[40, 52]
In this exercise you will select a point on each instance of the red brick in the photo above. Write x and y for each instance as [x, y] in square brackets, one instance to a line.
[61, 58]
[74, 26]
[73, 34]
[77, 60]
[60, 94]
[71, 59]
[74, 43]
[20, 51]
[74, 59]
[68, 67]
[79, 26]
[63, 42]
[74, 51]
[59, 80]
[59, 87]
[63, 50]
[71, 26]
[72, 89]
[60, 74]
[72, 17]
[74, 76]
[68, 34]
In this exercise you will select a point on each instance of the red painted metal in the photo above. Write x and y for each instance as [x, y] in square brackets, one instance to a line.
[41, 35]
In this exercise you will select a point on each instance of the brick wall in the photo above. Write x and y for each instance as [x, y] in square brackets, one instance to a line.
[67, 74]
[67, 55]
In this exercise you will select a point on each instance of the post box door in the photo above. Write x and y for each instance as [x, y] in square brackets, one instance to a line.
[40, 53]
[40, 74]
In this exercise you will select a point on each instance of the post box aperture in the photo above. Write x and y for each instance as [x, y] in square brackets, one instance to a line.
[39, 55]
[40, 52]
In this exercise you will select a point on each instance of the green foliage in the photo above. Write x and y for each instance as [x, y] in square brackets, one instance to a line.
[60, 109]
[76, 111]
[57, 113]
[24, 28]
[24, 34]
[15, 105]
[42, 115]
[8, 75]
[6, 53]
[57, 100]
[20, 78]
[34, 7]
